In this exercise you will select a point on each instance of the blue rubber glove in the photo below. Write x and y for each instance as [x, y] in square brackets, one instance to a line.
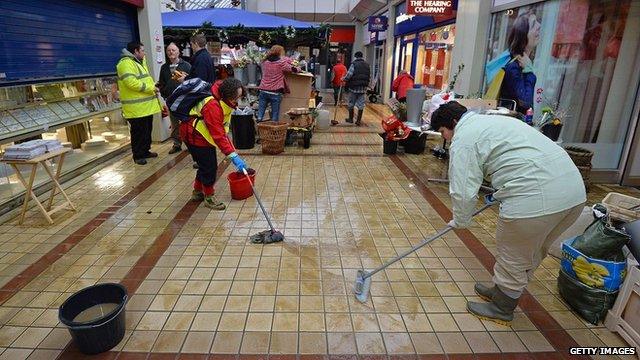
[237, 161]
[489, 199]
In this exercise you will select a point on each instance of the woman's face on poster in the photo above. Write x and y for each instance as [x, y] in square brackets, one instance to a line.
[534, 31]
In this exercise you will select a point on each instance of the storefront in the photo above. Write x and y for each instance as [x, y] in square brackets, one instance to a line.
[423, 47]
[58, 80]
[374, 46]
[585, 56]
[341, 43]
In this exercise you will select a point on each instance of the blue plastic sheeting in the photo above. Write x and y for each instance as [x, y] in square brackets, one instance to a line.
[226, 17]
[46, 40]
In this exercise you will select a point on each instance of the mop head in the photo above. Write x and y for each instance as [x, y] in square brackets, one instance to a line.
[267, 237]
[362, 286]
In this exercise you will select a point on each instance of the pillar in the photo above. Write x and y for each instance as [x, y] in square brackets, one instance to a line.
[150, 25]
[387, 65]
[472, 31]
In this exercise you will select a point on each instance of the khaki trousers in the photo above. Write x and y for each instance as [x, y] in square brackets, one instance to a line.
[522, 244]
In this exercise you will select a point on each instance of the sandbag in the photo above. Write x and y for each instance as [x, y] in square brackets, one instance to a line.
[602, 241]
[599, 274]
[591, 304]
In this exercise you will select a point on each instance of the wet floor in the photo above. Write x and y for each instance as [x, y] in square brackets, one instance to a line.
[198, 286]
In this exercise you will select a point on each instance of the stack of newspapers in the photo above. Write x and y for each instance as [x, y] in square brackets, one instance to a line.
[30, 149]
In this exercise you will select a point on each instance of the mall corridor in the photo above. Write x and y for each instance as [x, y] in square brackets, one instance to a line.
[198, 286]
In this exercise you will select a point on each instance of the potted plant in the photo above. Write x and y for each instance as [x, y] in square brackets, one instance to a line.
[254, 57]
[550, 124]
[239, 65]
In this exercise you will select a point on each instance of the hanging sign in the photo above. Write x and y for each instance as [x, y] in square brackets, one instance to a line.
[378, 23]
[429, 7]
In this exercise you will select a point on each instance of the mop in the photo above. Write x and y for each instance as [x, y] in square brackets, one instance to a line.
[267, 236]
[363, 277]
[335, 111]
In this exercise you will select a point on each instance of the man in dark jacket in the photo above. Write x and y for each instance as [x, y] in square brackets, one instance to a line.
[201, 61]
[357, 81]
[167, 84]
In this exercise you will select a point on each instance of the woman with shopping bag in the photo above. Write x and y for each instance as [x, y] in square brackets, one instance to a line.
[510, 76]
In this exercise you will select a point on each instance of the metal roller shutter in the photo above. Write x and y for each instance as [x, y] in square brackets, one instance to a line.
[46, 40]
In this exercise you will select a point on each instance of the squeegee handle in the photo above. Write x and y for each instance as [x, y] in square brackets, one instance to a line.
[264, 212]
[419, 246]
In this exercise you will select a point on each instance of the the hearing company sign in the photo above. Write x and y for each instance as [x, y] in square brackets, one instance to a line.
[429, 7]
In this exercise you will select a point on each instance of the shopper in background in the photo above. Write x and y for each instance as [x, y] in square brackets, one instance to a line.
[338, 72]
[167, 84]
[273, 84]
[519, 80]
[401, 84]
[201, 63]
[540, 190]
[207, 130]
[357, 81]
[138, 98]
[302, 63]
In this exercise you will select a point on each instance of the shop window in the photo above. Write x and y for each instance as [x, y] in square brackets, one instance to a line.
[585, 58]
[433, 60]
[83, 114]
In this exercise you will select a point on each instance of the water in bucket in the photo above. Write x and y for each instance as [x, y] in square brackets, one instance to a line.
[95, 312]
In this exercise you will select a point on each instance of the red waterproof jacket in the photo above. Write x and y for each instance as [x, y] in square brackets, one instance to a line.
[401, 84]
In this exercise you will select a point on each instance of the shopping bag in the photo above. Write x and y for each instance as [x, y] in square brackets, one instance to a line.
[494, 66]
[493, 92]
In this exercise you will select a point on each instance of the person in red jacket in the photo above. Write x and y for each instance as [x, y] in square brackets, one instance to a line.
[401, 84]
[207, 130]
[338, 71]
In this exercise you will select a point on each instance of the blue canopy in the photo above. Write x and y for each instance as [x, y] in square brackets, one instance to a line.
[227, 17]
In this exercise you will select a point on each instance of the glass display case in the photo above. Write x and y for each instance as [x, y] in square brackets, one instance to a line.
[83, 114]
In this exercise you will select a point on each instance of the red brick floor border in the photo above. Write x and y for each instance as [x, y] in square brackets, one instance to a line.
[145, 264]
[25, 277]
[550, 328]
[143, 267]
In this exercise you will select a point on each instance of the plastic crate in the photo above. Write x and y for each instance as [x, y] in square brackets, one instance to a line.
[624, 317]
[621, 207]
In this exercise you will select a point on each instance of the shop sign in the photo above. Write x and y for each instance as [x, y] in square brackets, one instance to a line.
[429, 7]
[378, 23]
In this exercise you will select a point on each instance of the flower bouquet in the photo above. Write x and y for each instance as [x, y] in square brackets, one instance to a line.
[550, 124]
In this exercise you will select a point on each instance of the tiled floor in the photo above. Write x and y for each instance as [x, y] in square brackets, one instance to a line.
[198, 286]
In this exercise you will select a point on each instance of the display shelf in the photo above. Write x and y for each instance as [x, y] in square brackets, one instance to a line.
[53, 101]
[17, 131]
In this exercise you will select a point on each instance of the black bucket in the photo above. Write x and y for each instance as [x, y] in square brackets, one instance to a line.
[244, 131]
[389, 147]
[100, 333]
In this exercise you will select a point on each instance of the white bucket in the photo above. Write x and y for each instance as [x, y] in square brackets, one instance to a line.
[322, 122]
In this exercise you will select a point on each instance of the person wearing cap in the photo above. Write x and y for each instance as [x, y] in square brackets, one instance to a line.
[357, 81]
[539, 189]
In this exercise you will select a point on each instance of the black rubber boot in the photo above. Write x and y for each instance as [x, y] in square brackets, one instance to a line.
[359, 119]
[350, 119]
[485, 292]
[499, 310]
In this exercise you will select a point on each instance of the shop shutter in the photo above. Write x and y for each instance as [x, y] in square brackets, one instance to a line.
[47, 40]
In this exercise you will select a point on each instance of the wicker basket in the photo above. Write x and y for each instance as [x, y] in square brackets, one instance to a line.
[622, 207]
[272, 136]
[579, 156]
[301, 121]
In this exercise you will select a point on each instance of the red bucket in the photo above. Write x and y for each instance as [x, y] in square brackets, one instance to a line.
[240, 186]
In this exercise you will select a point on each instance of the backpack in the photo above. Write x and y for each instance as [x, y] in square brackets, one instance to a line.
[186, 96]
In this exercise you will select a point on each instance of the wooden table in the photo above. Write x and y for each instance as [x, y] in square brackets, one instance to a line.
[45, 161]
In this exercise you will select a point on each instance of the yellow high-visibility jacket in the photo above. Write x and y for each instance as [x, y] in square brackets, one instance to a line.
[137, 88]
[201, 127]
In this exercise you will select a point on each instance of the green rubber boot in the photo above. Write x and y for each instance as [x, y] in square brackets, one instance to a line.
[484, 292]
[212, 203]
[499, 310]
[197, 196]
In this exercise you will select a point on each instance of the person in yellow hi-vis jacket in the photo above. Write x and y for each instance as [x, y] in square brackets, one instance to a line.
[138, 98]
[540, 191]
[207, 129]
